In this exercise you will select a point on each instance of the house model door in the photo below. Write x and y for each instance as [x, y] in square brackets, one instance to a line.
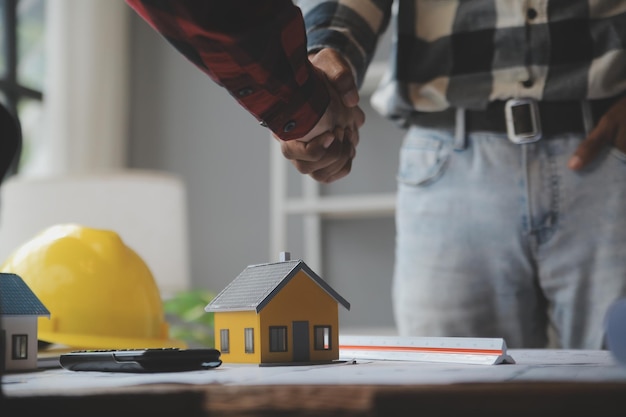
[300, 331]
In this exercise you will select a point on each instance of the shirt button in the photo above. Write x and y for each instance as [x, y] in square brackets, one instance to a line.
[531, 13]
[246, 91]
[289, 126]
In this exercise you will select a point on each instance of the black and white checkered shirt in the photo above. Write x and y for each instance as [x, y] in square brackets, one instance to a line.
[466, 53]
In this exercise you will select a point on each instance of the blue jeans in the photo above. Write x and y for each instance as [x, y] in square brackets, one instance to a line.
[503, 240]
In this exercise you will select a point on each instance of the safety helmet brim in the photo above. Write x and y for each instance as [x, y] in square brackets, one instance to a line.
[81, 341]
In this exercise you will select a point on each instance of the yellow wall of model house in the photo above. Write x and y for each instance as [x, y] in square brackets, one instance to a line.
[236, 322]
[302, 299]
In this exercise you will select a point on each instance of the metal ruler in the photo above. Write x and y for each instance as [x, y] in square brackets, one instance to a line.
[483, 351]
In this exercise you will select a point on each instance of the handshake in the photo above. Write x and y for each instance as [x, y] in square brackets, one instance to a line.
[327, 151]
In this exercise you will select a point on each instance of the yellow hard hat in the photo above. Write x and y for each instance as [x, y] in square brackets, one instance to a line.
[100, 293]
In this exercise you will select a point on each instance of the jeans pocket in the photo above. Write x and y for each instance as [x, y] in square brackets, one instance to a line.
[423, 159]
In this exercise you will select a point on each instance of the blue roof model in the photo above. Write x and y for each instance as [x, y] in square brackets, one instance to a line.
[17, 299]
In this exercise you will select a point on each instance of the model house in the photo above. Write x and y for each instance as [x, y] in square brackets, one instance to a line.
[19, 310]
[276, 313]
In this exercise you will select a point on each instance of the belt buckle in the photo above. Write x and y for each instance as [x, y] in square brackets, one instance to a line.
[523, 124]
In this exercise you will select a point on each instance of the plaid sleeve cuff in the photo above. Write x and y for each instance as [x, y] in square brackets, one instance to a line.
[294, 112]
[270, 75]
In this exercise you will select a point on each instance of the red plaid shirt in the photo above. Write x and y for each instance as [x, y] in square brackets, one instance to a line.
[255, 49]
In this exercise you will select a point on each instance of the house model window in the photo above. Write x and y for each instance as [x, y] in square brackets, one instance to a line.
[278, 338]
[20, 346]
[323, 338]
[248, 334]
[224, 341]
[279, 313]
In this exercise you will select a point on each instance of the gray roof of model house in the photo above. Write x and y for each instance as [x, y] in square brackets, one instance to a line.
[17, 299]
[255, 287]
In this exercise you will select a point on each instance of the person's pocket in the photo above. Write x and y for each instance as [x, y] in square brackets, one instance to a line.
[423, 158]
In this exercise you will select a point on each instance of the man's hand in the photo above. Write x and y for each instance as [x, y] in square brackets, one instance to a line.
[339, 73]
[326, 153]
[326, 158]
[611, 129]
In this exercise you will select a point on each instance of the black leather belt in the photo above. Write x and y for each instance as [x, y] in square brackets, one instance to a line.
[552, 118]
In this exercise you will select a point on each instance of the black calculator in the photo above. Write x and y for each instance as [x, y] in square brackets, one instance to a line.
[141, 360]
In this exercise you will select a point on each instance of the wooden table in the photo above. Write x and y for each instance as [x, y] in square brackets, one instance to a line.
[566, 383]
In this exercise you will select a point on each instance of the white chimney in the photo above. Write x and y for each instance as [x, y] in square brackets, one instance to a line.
[285, 256]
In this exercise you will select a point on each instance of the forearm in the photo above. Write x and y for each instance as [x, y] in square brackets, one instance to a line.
[254, 49]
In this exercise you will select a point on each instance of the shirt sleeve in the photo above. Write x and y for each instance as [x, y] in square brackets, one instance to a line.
[254, 49]
[350, 27]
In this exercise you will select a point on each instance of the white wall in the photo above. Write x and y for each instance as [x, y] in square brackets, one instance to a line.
[182, 122]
